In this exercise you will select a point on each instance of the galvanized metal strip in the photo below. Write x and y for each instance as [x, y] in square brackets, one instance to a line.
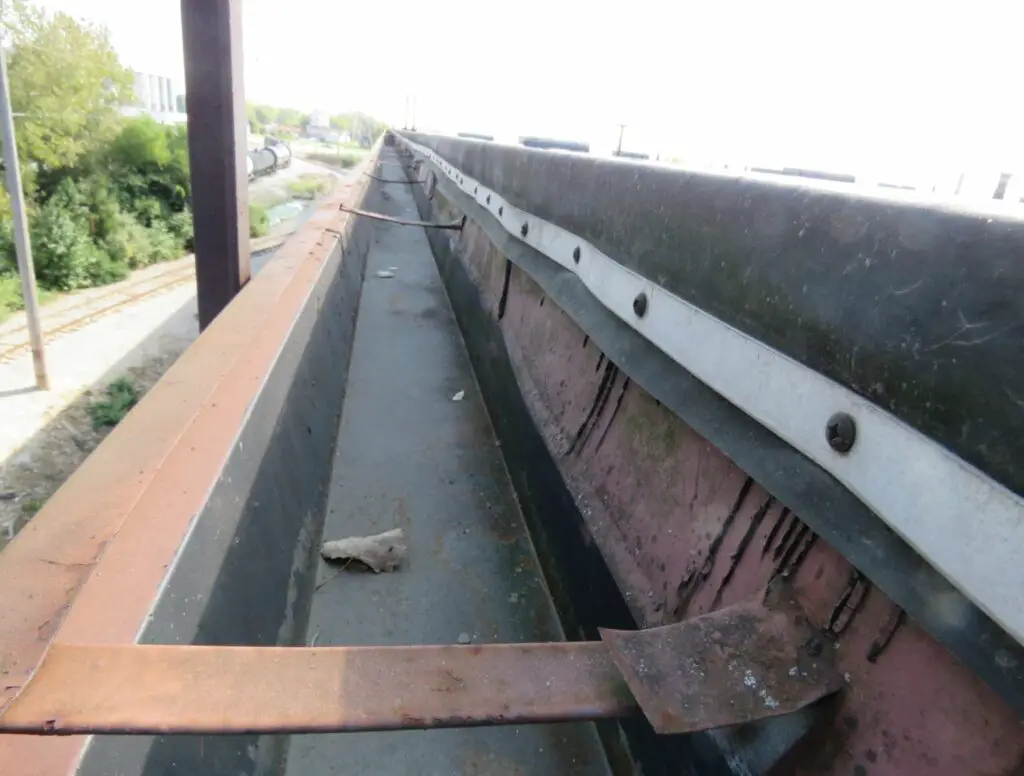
[210, 690]
[965, 524]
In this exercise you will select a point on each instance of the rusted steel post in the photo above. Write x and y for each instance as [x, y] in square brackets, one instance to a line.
[215, 101]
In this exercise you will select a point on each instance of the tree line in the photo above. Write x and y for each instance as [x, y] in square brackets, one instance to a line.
[263, 119]
[104, 194]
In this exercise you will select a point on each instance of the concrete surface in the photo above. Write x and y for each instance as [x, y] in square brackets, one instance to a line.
[409, 456]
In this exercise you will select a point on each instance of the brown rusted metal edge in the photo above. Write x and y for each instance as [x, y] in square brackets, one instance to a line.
[735, 665]
[746, 662]
[456, 225]
[172, 689]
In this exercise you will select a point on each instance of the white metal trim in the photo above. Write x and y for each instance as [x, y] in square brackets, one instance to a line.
[965, 524]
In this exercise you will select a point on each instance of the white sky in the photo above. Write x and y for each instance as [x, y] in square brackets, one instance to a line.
[897, 84]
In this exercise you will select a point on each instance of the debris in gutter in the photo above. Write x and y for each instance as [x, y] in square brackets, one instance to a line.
[459, 396]
[382, 552]
[385, 273]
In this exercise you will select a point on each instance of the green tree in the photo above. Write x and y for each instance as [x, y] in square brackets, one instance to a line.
[66, 79]
[265, 114]
[289, 117]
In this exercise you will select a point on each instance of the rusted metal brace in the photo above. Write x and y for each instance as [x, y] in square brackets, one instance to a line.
[455, 225]
[739, 664]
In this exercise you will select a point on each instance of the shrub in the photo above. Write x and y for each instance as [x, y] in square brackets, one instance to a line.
[259, 221]
[164, 246]
[180, 225]
[121, 397]
[10, 294]
[309, 186]
[65, 255]
[344, 161]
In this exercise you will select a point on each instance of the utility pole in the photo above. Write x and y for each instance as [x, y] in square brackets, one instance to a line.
[622, 129]
[22, 246]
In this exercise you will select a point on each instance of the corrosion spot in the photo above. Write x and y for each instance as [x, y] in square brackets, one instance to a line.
[871, 755]
[850, 722]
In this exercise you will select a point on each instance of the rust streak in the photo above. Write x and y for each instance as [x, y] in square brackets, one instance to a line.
[691, 583]
[604, 390]
[801, 555]
[894, 622]
[783, 514]
[615, 412]
[844, 611]
[791, 533]
[503, 301]
[737, 555]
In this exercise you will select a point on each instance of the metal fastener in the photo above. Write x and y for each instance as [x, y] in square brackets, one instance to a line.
[841, 432]
[576, 254]
[488, 199]
[501, 210]
[640, 305]
[524, 229]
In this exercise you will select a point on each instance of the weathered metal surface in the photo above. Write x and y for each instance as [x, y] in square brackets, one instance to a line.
[653, 517]
[552, 375]
[736, 665]
[455, 225]
[891, 312]
[215, 97]
[159, 689]
[916, 486]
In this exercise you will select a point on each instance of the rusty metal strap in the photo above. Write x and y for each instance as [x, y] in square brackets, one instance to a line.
[172, 689]
[456, 225]
[739, 664]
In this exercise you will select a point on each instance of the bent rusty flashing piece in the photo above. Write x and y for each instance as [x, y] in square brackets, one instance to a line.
[456, 225]
[740, 664]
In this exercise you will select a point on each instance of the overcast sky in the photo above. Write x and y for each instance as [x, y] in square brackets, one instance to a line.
[904, 83]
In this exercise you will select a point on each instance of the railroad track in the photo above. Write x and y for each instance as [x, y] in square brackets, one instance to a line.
[97, 306]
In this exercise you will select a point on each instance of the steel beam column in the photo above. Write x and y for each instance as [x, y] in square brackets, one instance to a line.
[215, 101]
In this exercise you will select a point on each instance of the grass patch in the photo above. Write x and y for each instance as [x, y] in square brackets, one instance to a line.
[259, 221]
[10, 295]
[30, 506]
[309, 186]
[122, 395]
[334, 159]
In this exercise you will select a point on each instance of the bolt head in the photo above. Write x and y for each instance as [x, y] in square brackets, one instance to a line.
[640, 305]
[576, 254]
[841, 432]
[524, 229]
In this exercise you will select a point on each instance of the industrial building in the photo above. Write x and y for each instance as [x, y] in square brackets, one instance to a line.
[157, 96]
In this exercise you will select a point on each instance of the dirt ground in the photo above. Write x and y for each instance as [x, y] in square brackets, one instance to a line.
[29, 477]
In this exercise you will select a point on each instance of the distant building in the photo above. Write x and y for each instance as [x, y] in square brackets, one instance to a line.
[319, 125]
[156, 96]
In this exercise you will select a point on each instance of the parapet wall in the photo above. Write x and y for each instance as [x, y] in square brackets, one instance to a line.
[655, 499]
